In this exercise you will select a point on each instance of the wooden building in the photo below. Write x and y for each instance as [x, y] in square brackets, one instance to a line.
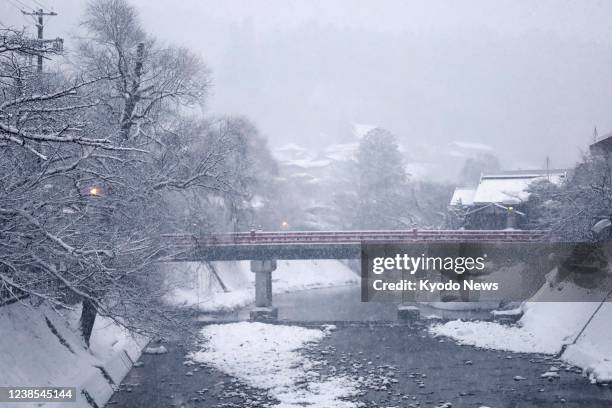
[497, 202]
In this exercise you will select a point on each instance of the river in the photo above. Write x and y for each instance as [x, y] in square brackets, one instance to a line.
[342, 304]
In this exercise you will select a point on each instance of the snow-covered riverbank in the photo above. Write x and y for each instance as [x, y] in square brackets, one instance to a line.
[39, 347]
[549, 327]
[224, 286]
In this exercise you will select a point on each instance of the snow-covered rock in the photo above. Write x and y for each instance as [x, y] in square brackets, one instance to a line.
[155, 350]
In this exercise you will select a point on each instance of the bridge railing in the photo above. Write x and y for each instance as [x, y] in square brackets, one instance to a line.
[352, 237]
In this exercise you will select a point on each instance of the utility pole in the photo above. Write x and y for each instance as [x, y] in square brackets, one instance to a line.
[40, 14]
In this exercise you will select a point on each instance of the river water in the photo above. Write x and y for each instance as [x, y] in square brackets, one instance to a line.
[343, 304]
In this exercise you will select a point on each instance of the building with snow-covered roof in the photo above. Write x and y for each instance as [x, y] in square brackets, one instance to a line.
[498, 200]
[511, 187]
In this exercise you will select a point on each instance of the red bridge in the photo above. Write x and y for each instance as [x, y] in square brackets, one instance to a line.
[264, 248]
[261, 245]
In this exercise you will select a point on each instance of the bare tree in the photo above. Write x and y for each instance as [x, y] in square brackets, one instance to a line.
[382, 183]
[92, 162]
[45, 138]
[570, 210]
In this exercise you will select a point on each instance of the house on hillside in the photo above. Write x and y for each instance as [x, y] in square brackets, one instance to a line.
[497, 202]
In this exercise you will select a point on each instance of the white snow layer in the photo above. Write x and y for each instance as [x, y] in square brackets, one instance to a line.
[545, 328]
[510, 189]
[32, 355]
[471, 145]
[196, 286]
[502, 190]
[268, 356]
[463, 196]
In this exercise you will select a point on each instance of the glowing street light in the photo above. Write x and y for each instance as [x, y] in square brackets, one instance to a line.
[284, 225]
[94, 191]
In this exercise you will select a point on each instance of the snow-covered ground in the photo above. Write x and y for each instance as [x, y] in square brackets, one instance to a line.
[268, 356]
[194, 284]
[546, 327]
[39, 347]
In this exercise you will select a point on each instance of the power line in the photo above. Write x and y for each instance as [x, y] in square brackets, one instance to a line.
[25, 5]
[16, 6]
[40, 4]
[12, 3]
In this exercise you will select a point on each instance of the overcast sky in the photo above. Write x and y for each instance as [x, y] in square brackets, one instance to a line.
[530, 78]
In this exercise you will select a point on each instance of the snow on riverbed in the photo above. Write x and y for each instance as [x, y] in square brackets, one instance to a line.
[545, 328]
[196, 286]
[268, 356]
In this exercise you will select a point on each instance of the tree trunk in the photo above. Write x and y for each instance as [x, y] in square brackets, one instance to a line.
[88, 317]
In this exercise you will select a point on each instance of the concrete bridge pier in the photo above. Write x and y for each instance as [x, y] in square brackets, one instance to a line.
[408, 313]
[263, 311]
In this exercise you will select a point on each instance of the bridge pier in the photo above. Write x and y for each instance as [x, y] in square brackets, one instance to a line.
[263, 311]
[408, 313]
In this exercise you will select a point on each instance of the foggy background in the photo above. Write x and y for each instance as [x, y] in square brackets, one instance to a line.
[528, 79]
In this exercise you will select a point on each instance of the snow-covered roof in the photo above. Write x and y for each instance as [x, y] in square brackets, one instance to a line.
[471, 145]
[295, 155]
[463, 196]
[292, 151]
[510, 187]
[553, 174]
[341, 151]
